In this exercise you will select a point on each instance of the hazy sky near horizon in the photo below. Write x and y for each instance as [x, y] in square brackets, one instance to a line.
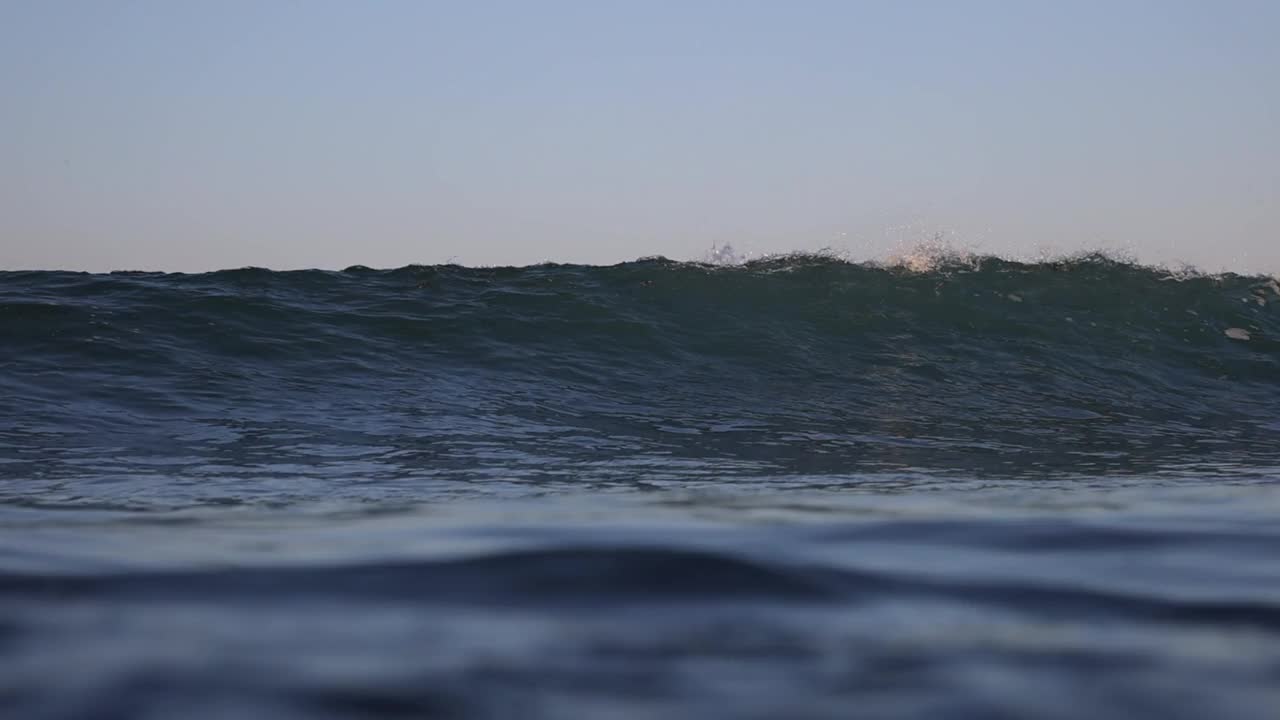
[203, 135]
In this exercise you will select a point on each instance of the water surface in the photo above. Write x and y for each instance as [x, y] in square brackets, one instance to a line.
[792, 488]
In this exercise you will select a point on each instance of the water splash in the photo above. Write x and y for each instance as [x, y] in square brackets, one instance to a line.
[726, 254]
[932, 255]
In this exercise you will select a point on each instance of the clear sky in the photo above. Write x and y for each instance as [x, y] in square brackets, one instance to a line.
[199, 135]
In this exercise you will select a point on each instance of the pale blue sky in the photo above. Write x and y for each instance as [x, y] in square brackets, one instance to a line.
[200, 135]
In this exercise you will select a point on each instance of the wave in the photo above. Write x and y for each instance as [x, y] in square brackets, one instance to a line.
[622, 575]
[790, 364]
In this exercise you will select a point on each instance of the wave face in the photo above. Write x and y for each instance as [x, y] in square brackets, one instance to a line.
[795, 487]
[794, 366]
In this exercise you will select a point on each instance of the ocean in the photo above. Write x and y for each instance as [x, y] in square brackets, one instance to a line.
[795, 487]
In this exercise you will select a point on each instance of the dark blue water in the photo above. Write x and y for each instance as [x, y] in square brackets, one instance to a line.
[794, 488]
